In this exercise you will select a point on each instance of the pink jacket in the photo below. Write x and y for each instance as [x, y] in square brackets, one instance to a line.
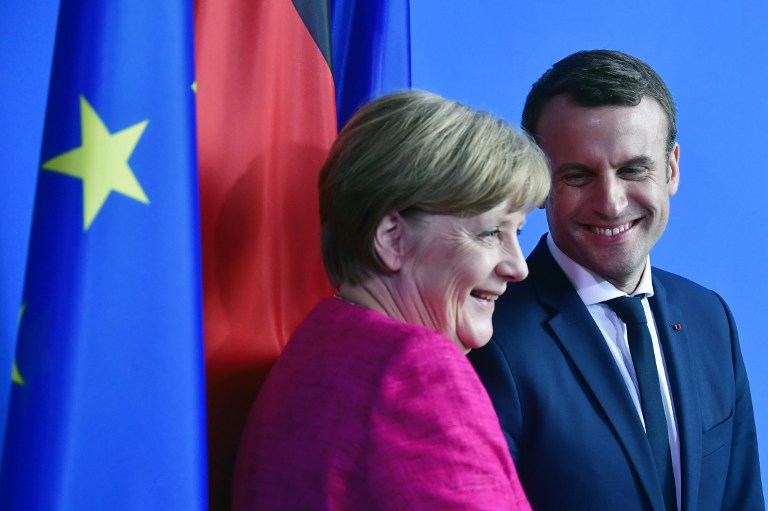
[364, 412]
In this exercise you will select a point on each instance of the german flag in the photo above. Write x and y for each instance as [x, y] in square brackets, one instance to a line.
[266, 118]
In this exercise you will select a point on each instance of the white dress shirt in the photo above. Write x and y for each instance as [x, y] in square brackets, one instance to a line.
[593, 290]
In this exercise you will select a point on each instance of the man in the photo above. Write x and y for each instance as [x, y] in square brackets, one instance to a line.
[602, 411]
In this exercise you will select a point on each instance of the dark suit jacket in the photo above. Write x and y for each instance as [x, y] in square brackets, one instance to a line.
[573, 431]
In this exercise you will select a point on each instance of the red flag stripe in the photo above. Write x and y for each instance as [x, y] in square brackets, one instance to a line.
[266, 118]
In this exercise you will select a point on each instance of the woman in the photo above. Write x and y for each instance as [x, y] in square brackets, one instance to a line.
[372, 404]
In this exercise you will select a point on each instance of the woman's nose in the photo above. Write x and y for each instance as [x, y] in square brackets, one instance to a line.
[512, 266]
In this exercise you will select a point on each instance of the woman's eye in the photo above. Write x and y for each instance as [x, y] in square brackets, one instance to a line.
[491, 234]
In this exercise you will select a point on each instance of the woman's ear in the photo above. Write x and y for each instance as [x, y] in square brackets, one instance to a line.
[388, 240]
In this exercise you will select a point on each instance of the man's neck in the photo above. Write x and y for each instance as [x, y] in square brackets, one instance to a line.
[592, 287]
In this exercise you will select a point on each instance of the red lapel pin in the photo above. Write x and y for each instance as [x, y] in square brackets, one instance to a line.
[677, 326]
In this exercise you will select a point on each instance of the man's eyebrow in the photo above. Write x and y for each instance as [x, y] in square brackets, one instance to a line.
[570, 165]
[645, 161]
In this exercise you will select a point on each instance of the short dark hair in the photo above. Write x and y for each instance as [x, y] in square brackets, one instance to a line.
[597, 78]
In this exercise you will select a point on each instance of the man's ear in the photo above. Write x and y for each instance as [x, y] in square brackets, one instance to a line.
[388, 240]
[673, 177]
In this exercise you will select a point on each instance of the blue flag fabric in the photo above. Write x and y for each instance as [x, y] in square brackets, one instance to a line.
[107, 404]
[371, 51]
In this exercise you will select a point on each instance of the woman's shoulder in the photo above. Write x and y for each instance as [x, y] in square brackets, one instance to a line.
[369, 329]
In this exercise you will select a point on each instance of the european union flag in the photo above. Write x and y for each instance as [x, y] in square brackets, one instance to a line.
[107, 405]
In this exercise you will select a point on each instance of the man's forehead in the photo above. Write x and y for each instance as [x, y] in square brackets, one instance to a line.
[566, 102]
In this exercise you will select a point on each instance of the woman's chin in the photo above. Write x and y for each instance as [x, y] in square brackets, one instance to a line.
[474, 342]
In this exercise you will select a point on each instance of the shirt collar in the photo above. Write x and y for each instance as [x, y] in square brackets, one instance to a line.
[592, 288]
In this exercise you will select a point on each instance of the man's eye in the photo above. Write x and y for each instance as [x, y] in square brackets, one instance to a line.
[575, 178]
[633, 172]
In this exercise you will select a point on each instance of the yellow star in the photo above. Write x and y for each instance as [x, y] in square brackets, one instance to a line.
[17, 379]
[16, 376]
[101, 162]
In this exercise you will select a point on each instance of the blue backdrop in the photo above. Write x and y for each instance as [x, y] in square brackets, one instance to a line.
[487, 53]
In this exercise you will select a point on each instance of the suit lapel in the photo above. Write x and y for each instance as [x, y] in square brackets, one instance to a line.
[581, 339]
[677, 356]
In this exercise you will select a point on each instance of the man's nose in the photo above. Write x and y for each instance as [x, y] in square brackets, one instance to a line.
[609, 196]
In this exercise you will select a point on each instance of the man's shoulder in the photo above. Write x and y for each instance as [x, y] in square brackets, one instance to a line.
[520, 316]
[668, 276]
[519, 295]
[678, 286]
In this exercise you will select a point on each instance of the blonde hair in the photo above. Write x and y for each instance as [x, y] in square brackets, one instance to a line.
[418, 152]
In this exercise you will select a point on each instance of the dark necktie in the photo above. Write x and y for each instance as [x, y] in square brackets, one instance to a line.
[630, 311]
